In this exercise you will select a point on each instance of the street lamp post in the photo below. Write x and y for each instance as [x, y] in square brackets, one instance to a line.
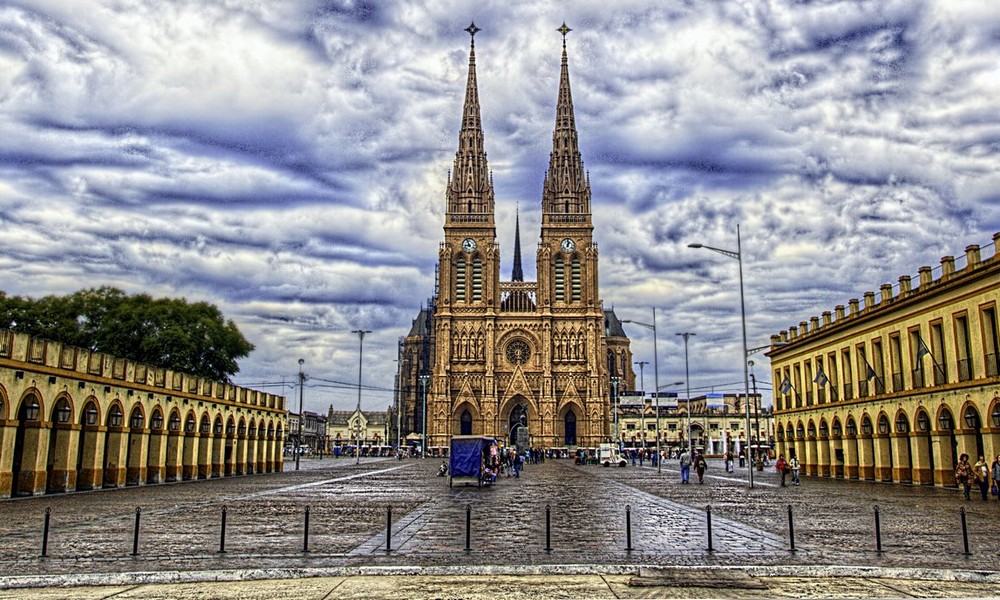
[738, 255]
[687, 379]
[656, 383]
[614, 397]
[298, 442]
[423, 430]
[642, 413]
[361, 347]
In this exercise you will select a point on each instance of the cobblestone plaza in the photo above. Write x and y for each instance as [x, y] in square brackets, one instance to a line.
[348, 504]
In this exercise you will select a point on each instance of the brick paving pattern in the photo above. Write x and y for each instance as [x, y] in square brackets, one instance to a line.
[92, 532]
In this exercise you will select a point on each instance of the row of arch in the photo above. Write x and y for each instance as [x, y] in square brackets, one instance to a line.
[568, 428]
[62, 448]
[920, 448]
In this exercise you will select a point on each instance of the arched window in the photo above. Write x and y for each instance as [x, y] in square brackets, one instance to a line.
[460, 279]
[560, 280]
[569, 439]
[576, 279]
[466, 422]
[477, 279]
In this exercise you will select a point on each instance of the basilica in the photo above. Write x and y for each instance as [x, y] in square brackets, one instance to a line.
[530, 362]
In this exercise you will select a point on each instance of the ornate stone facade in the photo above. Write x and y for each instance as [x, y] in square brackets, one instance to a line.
[528, 362]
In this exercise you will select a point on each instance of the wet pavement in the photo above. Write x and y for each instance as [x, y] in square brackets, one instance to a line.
[591, 512]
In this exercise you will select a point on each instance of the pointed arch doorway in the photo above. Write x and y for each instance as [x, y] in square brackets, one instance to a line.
[517, 427]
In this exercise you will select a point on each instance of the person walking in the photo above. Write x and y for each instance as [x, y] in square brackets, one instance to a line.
[995, 468]
[782, 467]
[793, 464]
[963, 474]
[981, 475]
[700, 465]
[685, 461]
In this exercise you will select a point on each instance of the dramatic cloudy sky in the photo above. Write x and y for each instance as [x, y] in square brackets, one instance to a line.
[287, 160]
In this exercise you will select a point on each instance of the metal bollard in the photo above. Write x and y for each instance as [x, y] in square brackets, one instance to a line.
[628, 528]
[135, 535]
[791, 530]
[965, 532]
[388, 528]
[222, 532]
[468, 527]
[45, 533]
[708, 516]
[305, 533]
[878, 531]
[548, 529]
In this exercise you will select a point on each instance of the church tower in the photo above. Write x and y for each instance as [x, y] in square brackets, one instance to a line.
[527, 362]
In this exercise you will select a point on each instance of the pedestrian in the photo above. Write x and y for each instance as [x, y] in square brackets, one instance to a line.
[685, 461]
[793, 464]
[700, 465]
[782, 467]
[518, 463]
[963, 474]
[996, 478]
[981, 475]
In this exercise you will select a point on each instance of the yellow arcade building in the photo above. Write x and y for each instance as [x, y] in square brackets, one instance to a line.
[895, 387]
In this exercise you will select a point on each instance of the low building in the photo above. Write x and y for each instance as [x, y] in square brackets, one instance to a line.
[73, 419]
[345, 427]
[717, 421]
[896, 387]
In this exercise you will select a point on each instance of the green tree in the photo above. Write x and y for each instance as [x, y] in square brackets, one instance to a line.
[171, 333]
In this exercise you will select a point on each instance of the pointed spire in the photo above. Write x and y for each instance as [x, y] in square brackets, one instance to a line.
[470, 190]
[517, 274]
[566, 188]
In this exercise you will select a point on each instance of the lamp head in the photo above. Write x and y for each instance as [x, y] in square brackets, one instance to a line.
[694, 245]
[302, 361]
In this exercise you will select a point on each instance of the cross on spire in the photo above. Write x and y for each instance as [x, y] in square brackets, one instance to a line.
[564, 30]
[473, 30]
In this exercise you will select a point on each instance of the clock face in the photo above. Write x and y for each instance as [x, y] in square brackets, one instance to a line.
[518, 352]
[568, 245]
[469, 245]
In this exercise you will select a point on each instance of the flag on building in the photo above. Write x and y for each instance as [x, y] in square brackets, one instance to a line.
[821, 379]
[786, 386]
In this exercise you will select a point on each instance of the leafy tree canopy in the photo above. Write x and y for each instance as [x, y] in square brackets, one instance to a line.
[170, 333]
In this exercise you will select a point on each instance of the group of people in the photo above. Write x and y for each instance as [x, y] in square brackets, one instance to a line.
[788, 467]
[985, 477]
[695, 459]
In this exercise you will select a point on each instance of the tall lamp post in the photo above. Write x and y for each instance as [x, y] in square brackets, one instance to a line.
[361, 348]
[738, 255]
[656, 383]
[423, 413]
[298, 442]
[642, 413]
[614, 397]
[687, 379]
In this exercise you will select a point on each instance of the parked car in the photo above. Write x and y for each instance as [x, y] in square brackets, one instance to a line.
[607, 455]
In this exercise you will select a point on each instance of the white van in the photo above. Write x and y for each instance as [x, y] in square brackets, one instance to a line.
[607, 455]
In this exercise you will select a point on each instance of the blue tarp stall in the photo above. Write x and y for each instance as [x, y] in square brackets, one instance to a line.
[468, 456]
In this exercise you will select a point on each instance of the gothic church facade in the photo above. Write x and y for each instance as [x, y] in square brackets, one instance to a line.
[529, 362]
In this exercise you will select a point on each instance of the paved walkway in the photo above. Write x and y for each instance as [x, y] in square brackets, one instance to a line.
[592, 510]
[527, 583]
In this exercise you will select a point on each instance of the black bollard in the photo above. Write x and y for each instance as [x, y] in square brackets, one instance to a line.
[878, 531]
[305, 533]
[468, 527]
[965, 532]
[708, 516]
[548, 529]
[388, 528]
[222, 533]
[45, 533]
[791, 530]
[628, 528]
[135, 535]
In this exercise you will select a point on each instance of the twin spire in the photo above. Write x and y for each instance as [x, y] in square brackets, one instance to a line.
[470, 187]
